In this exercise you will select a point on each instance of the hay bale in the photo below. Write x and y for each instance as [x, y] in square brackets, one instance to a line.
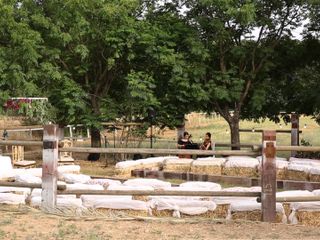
[306, 213]
[282, 174]
[209, 167]
[241, 166]
[147, 182]
[122, 212]
[177, 165]
[251, 211]
[124, 168]
[253, 216]
[298, 172]
[315, 174]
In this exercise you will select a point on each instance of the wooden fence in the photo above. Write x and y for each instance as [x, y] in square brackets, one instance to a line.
[50, 188]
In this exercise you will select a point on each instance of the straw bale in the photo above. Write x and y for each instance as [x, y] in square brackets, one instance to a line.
[287, 209]
[309, 218]
[177, 168]
[206, 169]
[240, 171]
[314, 178]
[140, 198]
[127, 212]
[297, 175]
[253, 216]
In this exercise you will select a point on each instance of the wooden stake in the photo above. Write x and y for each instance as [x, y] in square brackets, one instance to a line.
[49, 167]
[268, 178]
[294, 132]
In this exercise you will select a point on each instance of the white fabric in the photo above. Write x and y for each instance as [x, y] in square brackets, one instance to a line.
[281, 159]
[127, 164]
[90, 201]
[316, 192]
[246, 162]
[104, 182]
[315, 170]
[218, 161]
[6, 169]
[192, 189]
[299, 167]
[37, 193]
[155, 183]
[207, 163]
[202, 186]
[178, 161]
[68, 169]
[75, 178]
[119, 204]
[11, 198]
[27, 178]
[15, 190]
[62, 202]
[126, 188]
[81, 186]
[305, 161]
[294, 193]
[189, 207]
[37, 172]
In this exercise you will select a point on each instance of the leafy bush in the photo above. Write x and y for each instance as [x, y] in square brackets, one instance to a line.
[310, 155]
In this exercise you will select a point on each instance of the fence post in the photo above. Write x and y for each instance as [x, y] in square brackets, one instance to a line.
[294, 132]
[49, 166]
[268, 178]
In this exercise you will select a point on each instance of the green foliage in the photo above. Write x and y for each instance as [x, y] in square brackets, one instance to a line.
[309, 155]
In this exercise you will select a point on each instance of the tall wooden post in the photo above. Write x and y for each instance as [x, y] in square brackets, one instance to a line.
[294, 132]
[268, 178]
[49, 167]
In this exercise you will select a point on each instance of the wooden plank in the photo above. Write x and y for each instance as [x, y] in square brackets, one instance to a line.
[28, 185]
[261, 130]
[294, 132]
[299, 185]
[268, 178]
[158, 151]
[20, 143]
[298, 148]
[298, 199]
[161, 193]
[22, 127]
[49, 167]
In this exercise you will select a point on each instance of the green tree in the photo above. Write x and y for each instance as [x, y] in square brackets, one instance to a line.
[240, 37]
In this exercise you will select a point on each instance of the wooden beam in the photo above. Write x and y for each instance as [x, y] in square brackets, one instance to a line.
[268, 178]
[20, 143]
[261, 130]
[49, 167]
[158, 151]
[298, 148]
[300, 185]
[162, 193]
[298, 199]
[294, 132]
[28, 185]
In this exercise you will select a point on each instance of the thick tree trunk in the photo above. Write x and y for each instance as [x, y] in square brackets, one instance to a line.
[95, 142]
[235, 135]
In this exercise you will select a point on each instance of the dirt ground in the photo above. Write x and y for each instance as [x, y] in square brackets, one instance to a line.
[30, 224]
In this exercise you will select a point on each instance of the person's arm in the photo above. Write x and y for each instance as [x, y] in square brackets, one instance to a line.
[208, 146]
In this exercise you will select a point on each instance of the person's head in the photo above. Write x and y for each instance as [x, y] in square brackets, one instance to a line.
[208, 136]
[186, 135]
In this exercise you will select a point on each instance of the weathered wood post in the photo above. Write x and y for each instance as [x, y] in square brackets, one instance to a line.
[49, 167]
[268, 177]
[294, 132]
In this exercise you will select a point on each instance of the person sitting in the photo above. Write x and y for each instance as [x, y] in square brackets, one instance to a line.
[207, 143]
[183, 143]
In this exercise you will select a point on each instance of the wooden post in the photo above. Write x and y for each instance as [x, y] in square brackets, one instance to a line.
[268, 178]
[294, 132]
[49, 167]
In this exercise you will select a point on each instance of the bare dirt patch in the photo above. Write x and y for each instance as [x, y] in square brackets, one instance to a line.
[27, 223]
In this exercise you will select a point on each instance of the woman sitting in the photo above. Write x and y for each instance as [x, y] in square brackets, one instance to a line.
[207, 144]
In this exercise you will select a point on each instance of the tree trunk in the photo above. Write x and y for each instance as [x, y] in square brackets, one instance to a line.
[181, 128]
[235, 135]
[95, 142]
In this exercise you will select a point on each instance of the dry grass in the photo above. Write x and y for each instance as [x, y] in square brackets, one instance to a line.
[314, 178]
[252, 216]
[240, 171]
[298, 175]
[308, 218]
